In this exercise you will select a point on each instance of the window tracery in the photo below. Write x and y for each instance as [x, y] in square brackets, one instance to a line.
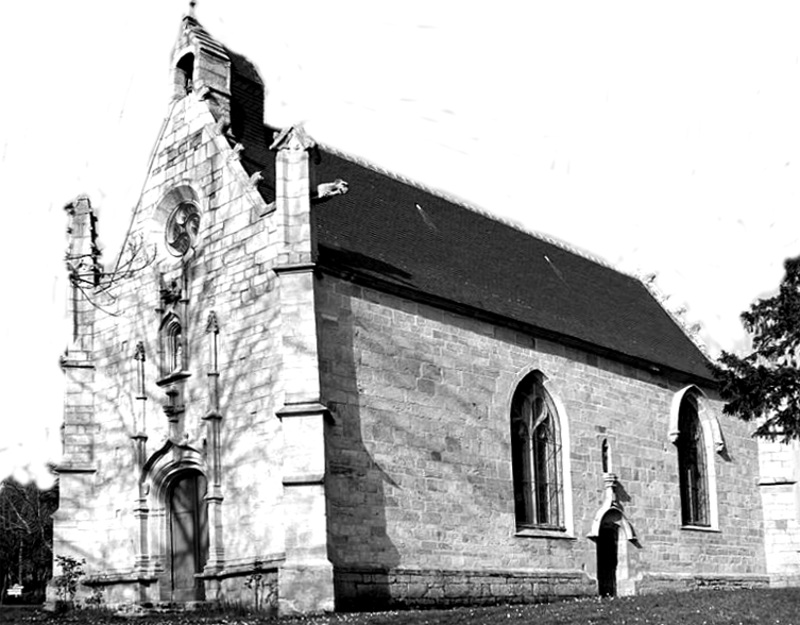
[536, 457]
[692, 469]
[182, 227]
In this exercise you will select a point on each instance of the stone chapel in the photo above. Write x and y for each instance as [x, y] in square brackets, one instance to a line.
[311, 384]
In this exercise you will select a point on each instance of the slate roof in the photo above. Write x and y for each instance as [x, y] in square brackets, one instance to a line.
[401, 236]
[404, 236]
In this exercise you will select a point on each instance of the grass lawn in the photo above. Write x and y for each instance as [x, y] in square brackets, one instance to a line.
[774, 606]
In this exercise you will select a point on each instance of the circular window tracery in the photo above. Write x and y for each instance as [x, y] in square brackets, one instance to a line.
[182, 227]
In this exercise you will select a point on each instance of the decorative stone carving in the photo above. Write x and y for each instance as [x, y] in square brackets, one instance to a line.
[182, 227]
[331, 189]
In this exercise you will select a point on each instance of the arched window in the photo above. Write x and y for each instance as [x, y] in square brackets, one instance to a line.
[536, 457]
[171, 346]
[692, 468]
[174, 347]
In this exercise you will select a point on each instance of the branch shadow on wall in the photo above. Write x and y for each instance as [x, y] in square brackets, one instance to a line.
[247, 380]
[243, 402]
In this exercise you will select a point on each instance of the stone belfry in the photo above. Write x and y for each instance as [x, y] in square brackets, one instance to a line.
[194, 423]
[202, 66]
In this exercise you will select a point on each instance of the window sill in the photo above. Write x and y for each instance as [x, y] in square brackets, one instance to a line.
[701, 528]
[542, 532]
[777, 481]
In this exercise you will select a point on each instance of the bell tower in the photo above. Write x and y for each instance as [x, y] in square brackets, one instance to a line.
[201, 66]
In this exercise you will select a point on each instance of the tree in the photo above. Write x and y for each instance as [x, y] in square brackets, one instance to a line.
[764, 386]
[26, 536]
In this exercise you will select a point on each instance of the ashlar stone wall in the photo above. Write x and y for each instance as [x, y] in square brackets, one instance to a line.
[779, 465]
[230, 273]
[420, 492]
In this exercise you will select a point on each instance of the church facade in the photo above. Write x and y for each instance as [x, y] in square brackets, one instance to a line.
[309, 384]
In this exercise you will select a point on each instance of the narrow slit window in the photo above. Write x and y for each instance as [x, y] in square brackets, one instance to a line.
[175, 347]
[172, 347]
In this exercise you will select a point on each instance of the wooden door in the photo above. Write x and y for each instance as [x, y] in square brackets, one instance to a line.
[188, 537]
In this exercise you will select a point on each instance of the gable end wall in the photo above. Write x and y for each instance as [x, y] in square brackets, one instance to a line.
[230, 272]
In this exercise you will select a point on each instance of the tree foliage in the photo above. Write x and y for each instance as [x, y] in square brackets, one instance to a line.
[26, 536]
[764, 386]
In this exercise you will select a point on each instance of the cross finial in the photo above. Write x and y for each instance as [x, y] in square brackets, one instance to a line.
[192, 5]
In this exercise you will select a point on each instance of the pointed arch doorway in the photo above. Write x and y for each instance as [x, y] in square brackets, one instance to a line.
[607, 557]
[613, 533]
[187, 536]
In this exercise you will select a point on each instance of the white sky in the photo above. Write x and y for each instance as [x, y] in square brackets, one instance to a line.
[661, 137]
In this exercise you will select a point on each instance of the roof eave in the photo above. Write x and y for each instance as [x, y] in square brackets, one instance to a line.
[437, 301]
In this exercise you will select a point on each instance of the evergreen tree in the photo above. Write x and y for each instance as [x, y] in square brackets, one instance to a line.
[764, 386]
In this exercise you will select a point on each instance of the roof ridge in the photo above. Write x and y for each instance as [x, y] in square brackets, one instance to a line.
[458, 201]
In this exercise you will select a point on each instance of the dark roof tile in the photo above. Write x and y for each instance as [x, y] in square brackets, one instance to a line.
[402, 234]
[389, 230]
